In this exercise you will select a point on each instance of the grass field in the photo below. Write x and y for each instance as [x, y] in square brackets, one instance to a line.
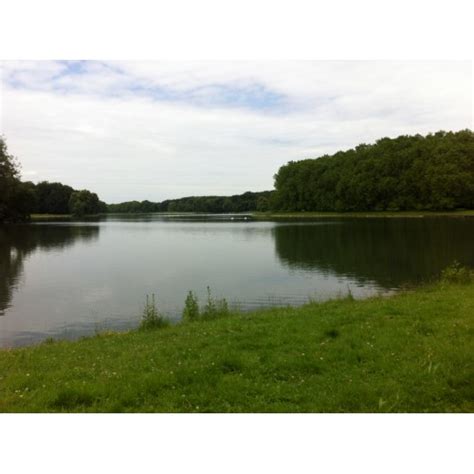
[413, 352]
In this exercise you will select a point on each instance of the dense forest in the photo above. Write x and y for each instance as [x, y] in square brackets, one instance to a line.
[245, 202]
[18, 200]
[58, 198]
[435, 172]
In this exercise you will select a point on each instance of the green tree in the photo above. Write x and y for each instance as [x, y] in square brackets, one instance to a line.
[16, 200]
[84, 202]
[435, 172]
[245, 202]
[53, 198]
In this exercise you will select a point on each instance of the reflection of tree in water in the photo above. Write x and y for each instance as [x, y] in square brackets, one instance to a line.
[18, 241]
[389, 252]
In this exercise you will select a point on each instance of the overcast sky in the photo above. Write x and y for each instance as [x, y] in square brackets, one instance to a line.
[159, 130]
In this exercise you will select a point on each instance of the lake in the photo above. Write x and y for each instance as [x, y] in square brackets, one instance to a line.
[66, 278]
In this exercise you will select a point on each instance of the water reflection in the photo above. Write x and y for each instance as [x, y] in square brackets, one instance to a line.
[60, 279]
[390, 252]
[17, 242]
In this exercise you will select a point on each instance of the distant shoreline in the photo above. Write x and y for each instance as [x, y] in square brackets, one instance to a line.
[361, 214]
[286, 215]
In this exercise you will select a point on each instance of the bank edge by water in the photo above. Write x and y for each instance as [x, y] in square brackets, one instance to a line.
[368, 214]
[412, 352]
[282, 215]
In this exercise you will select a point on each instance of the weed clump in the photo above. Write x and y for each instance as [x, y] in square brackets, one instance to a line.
[191, 307]
[456, 273]
[213, 308]
[151, 318]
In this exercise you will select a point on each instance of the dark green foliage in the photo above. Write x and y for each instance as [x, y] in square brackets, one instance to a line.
[130, 207]
[58, 198]
[263, 202]
[20, 199]
[84, 202]
[30, 197]
[245, 202]
[102, 208]
[15, 197]
[191, 307]
[53, 198]
[435, 172]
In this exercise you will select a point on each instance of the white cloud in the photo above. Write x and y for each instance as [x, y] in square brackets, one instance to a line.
[143, 130]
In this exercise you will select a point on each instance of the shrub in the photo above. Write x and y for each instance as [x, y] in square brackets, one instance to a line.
[151, 318]
[191, 307]
[456, 273]
[222, 307]
[214, 308]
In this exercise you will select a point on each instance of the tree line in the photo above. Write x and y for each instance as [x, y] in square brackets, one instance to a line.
[432, 172]
[246, 202]
[18, 199]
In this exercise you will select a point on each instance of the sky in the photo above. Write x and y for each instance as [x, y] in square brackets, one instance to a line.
[135, 130]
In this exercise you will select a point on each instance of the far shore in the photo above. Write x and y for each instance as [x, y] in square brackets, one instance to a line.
[287, 215]
[49, 216]
[369, 214]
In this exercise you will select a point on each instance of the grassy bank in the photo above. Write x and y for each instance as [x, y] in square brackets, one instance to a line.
[387, 214]
[412, 352]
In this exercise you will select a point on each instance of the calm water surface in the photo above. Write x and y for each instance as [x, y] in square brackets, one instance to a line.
[66, 279]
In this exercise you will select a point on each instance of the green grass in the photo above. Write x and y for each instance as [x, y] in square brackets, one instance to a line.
[412, 352]
[391, 214]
